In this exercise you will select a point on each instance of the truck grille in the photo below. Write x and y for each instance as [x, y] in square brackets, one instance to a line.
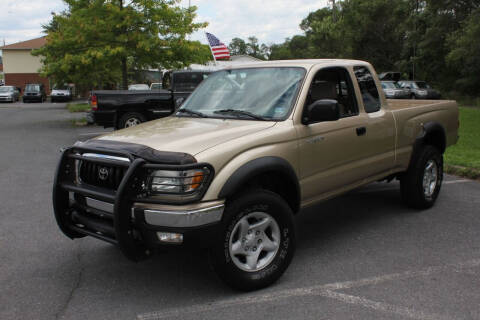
[101, 175]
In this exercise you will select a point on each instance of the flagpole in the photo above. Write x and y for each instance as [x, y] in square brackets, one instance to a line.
[214, 59]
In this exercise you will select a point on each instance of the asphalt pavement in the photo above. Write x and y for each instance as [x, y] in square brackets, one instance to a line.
[361, 256]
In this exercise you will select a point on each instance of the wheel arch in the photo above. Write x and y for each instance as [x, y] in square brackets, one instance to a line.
[433, 133]
[270, 173]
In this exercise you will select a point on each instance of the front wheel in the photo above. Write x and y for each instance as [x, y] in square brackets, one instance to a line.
[257, 242]
[421, 184]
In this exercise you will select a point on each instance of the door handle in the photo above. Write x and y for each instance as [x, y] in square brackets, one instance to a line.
[361, 131]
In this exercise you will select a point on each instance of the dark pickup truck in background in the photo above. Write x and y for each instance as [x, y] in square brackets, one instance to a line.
[127, 108]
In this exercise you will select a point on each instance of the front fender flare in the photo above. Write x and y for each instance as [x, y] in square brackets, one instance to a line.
[256, 167]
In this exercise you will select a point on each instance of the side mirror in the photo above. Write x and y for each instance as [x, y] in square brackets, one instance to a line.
[321, 110]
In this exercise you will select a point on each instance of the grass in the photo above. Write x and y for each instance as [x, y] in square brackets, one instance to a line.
[78, 107]
[79, 122]
[464, 158]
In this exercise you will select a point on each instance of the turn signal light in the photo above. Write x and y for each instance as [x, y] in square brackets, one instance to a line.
[93, 102]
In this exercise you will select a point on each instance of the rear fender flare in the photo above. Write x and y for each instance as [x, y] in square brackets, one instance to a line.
[432, 133]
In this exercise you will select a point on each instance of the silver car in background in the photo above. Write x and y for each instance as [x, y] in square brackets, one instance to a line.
[9, 93]
[419, 89]
[139, 86]
[394, 91]
[61, 94]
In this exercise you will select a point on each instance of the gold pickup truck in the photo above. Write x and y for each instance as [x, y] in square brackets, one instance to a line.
[250, 148]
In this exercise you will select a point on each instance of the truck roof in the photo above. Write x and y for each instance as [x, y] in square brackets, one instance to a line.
[305, 63]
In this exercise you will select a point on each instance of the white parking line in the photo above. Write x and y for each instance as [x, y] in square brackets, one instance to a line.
[456, 181]
[383, 307]
[326, 290]
[94, 133]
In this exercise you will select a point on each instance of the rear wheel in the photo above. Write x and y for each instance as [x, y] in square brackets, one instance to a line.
[421, 184]
[130, 119]
[257, 242]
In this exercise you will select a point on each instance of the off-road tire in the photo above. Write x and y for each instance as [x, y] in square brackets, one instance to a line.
[411, 183]
[244, 205]
[129, 117]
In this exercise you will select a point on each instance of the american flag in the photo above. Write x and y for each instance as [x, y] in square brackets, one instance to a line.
[219, 50]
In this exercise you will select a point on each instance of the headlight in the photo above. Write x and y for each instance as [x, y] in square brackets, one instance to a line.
[177, 186]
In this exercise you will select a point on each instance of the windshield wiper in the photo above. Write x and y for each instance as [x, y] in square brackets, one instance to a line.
[196, 113]
[241, 113]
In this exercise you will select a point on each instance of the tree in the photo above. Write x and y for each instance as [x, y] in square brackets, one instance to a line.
[438, 20]
[433, 40]
[464, 55]
[96, 42]
[280, 51]
[252, 48]
[237, 46]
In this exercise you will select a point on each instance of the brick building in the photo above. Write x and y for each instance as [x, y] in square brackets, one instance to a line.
[20, 67]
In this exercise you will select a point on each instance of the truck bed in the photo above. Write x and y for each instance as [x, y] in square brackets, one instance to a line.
[411, 115]
[397, 104]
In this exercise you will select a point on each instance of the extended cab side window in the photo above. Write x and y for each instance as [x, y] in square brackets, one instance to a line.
[167, 81]
[370, 96]
[334, 84]
[187, 81]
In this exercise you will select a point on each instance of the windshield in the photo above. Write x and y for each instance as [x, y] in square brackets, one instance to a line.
[32, 87]
[6, 89]
[61, 88]
[390, 85]
[268, 93]
[422, 85]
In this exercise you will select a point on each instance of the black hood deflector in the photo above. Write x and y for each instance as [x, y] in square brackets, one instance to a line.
[139, 151]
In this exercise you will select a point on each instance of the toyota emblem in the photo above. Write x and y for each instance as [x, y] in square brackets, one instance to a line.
[103, 173]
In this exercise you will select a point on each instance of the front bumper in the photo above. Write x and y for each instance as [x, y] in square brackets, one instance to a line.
[60, 98]
[119, 218]
[7, 98]
[32, 98]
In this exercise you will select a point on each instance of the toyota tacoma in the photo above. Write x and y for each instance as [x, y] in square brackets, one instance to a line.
[248, 149]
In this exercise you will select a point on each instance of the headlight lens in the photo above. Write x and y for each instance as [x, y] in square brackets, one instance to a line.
[177, 186]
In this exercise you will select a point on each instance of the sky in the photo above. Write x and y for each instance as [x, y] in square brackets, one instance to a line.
[271, 21]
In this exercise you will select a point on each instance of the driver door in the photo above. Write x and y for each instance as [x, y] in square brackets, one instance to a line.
[330, 152]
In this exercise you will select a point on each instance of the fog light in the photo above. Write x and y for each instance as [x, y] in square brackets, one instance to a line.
[170, 237]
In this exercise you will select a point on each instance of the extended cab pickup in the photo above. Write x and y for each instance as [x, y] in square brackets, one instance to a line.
[250, 148]
[127, 108]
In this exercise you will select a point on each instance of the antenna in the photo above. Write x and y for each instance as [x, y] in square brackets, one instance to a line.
[189, 5]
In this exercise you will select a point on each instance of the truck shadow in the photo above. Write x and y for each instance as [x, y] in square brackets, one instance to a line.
[187, 275]
[354, 213]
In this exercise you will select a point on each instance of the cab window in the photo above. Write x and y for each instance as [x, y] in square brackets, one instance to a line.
[370, 96]
[334, 84]
[187, 81]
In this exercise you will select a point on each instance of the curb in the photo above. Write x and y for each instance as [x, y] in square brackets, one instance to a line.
[466, 172]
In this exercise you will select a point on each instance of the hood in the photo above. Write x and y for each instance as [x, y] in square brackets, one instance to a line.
[187, 135]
